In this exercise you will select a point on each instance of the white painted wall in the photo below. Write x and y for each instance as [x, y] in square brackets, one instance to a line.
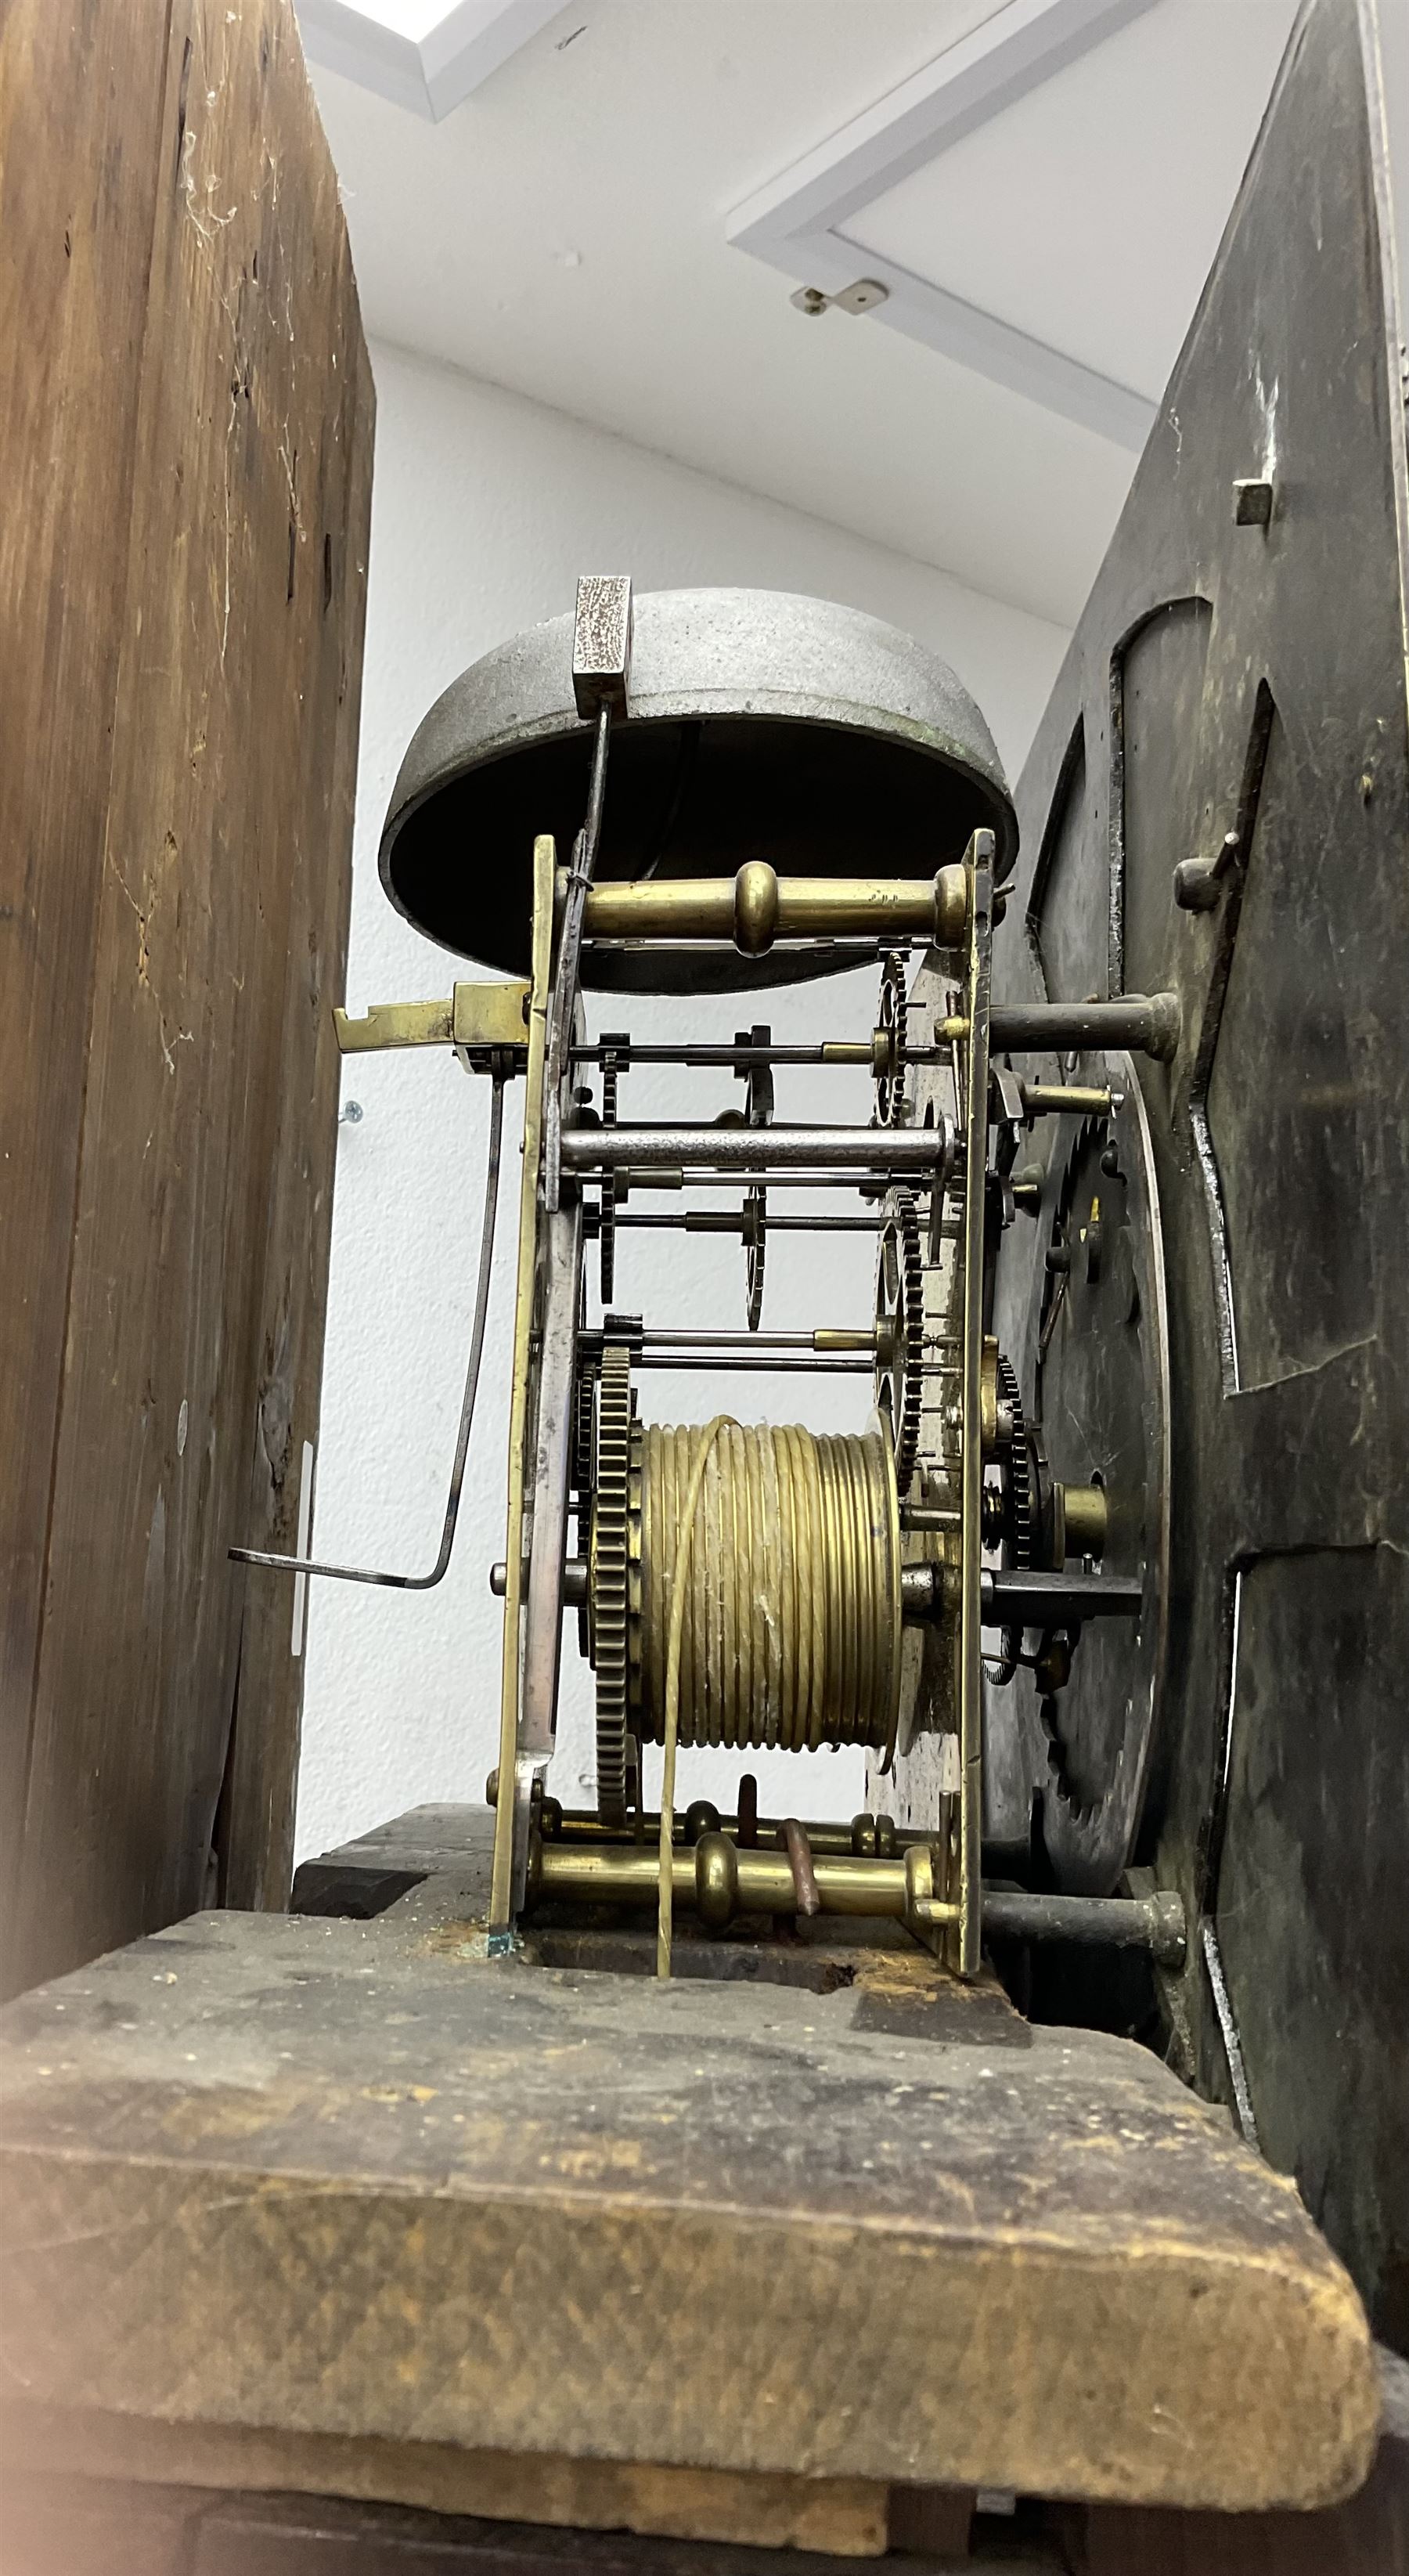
[485, 509]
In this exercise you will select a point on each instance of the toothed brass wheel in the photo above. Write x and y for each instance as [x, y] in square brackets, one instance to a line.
[608, 1588]
[900, 1331]
[893, 1025]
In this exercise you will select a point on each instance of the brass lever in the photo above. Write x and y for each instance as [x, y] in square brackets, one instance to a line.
[480, 1020]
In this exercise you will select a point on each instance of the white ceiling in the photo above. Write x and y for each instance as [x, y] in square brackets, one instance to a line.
[1116, 175]
[564, 233]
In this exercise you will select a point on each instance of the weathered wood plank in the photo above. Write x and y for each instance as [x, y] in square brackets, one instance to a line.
[846, 2517]
[343, 2178]
[67, 2525]
[257, 1823]
[79, 117]
[88, 2525]
[190, 1327]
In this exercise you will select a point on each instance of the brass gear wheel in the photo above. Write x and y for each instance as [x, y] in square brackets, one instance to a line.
[584, 1449]
[1017, 1479]
[611, 1181]
[609, 1578]
[758, 1112]
[900, 1330]
[893, 1022]
[755, 1235]
[1013, 1523]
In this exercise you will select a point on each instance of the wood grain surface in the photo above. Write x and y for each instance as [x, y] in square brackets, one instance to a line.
[846, 2517]
[188, 429]
[347, 2178]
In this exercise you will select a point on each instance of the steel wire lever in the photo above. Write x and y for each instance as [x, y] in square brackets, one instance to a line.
[425, 1582]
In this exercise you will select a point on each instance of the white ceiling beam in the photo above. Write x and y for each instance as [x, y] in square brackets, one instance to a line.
[344, 39]
[453, 59]
[473, 40]
[797, 223]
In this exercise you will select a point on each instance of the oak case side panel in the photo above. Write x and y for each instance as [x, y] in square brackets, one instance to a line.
[255, 1833]
[79, 121]
[203, 1200]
